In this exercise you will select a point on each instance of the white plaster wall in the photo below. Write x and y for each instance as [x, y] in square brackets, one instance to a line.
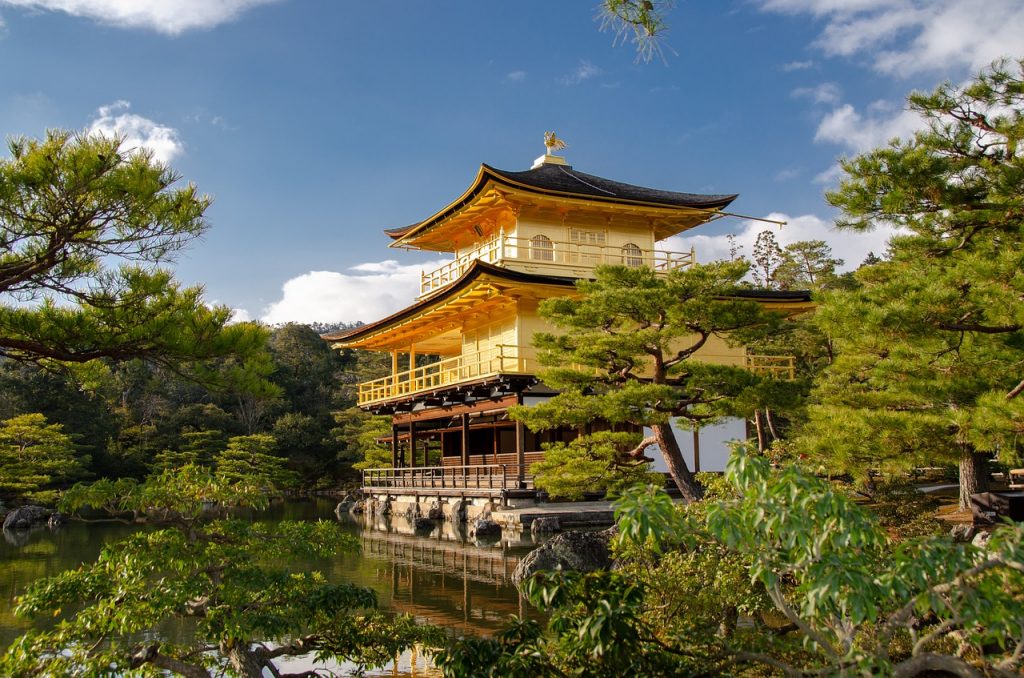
[714, 448]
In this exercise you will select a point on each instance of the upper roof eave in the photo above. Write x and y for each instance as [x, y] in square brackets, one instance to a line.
[549, 180]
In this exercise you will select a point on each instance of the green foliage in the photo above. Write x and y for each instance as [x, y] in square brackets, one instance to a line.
[71, 205]
[628, 347]
[930, 362]
[903, 511]
[36, 458]
[358, 432]
[780, 572]
[767, 256]
[599, 462]
[197, 447]
[305, 367]
[253, 457]
[803, 265]
[228, 579]
[833, 573]
[641, 22]
[808, 265]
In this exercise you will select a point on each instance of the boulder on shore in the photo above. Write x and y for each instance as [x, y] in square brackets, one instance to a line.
[963, 532]
[573, 550]
[25, 517]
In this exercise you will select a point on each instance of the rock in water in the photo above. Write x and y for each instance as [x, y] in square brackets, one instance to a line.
[424, 525]
[485, 528]
[545, 526]
[573, 550]
[26, 517]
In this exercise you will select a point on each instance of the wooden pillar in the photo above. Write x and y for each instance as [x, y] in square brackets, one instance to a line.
[412, 442]
[465, 438]
[394, 445]
[696, 450]
[520, 452]
[394, 370]
[494, 439]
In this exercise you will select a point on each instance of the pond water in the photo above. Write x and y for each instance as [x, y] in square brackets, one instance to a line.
[441, 578]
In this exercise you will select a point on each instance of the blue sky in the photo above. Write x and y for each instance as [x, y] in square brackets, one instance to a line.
[317, 123]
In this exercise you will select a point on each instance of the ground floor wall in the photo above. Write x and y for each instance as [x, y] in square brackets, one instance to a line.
[713, 446]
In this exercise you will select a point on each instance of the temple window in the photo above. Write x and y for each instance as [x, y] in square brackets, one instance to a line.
[541, 248]
[579, 236]
[632, 255]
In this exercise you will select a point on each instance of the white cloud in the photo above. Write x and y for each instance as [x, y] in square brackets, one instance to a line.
[797, 66]
[829, 177]
[787, 174]
[825, 93]
[164, 16]
[516, 76]
[368, 292]
[852, 247]
[862, 132]
[904, 37]
[585, 71]
[240, 315]
[137, 131]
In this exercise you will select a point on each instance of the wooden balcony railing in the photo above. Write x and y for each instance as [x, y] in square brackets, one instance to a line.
[502, 359]
[478, 477]
[778, 366]
[551, 253]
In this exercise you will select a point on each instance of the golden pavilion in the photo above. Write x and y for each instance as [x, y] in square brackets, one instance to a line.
[515, 238]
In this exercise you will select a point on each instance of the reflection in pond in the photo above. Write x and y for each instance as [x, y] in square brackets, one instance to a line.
[439, 577]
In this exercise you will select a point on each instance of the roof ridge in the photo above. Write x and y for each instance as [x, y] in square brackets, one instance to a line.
[585, 183]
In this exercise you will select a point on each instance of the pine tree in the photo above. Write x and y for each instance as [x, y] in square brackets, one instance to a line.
[627, 356]
[930, 366]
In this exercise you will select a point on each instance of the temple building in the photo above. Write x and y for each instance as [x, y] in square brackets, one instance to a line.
[462, 354]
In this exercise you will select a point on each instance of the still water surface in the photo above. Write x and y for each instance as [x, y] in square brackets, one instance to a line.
[440, 578]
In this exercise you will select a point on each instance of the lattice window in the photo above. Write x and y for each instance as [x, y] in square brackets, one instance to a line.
[632, 255]
[579, 236]
[541, 248]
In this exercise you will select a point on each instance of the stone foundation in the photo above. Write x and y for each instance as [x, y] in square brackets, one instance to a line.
[454, 509]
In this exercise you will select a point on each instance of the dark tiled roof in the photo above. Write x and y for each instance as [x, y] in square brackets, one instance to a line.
[565, 179]
[773, 295]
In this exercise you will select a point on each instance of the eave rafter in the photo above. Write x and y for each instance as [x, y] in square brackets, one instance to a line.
[486, 298]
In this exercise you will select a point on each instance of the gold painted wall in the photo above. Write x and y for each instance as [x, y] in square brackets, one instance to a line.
[529, 322]
[487, 333]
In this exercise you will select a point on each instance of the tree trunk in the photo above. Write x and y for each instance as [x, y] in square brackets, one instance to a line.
[243, 660]
[973, 475]
[691, 489]
[930, 664]
[759, 425]
[771, 423]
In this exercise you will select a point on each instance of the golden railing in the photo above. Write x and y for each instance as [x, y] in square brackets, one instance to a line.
[777, 366]
[502, 359]
[479, 477]
[554, 253]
